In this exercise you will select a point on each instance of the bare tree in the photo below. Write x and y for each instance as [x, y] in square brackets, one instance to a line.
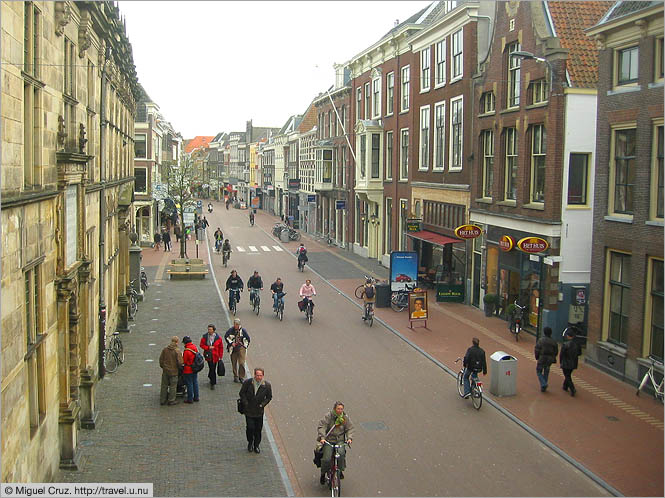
[180, 180]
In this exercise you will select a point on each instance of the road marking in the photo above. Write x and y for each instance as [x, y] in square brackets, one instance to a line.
[265, 248]
[253, 248]
[147, 385]
[240, 249]
[277, 248]
[149, 360]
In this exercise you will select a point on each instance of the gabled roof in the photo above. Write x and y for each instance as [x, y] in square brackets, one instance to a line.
[196, 142]
[411, 20]
[623, 8]
[570, 19]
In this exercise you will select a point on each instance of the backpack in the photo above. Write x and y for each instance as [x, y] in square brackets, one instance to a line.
[369, 292]
[199, 362]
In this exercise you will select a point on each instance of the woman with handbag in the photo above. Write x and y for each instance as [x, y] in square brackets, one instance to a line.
[213, 351]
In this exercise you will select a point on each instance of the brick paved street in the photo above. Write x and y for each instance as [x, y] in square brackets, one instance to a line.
[185, 450]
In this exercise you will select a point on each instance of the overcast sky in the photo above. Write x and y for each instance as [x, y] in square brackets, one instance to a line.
[211, 66]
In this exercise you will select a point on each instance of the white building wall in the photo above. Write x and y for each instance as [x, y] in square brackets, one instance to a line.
[577, 221]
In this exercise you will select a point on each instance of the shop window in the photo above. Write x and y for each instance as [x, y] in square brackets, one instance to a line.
[654, 326]
[488, 162]
[578, 172]
[622, 171]
[389, 225]
[656, 197]
[618, 294]
[403, 215]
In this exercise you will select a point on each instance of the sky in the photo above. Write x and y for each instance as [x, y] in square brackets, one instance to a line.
[211, 66]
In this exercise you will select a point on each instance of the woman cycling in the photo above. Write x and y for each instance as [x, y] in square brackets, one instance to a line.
[307, 292]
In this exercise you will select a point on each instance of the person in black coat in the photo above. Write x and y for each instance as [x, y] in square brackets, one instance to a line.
[546, 351]
[570, 350]
[474, 362]
[255, 394]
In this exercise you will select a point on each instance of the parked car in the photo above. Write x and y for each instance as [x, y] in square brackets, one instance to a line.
[402, 278]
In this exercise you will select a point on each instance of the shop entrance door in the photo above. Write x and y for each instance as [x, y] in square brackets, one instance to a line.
[475, 298]
[509, 286]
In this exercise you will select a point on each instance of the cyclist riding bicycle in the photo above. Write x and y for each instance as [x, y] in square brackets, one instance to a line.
[226, 249]
[474, 362]
[368, 295]
[219, 239]
[301, 252]
[254, 285]
[210, 207]
[251, 218]
[234, 284]
[277, 289]
[307, 292]
[334, 428]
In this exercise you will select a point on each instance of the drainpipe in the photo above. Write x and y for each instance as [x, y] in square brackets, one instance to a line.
[102, 217]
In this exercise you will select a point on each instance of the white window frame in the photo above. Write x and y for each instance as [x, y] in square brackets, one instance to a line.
[611, 207]
[617, 70]
[508, 170]
[451, 164]
[457, 37]
[439, 148]
[514, 76]
[376, 97]
[368, 100]
[390, 140]
[538, 152]
[359, 102]
[655, 177]
[488, 169]
[403, 178]
[405, 88]
[423, 158]
[390, 93]
[440, 66]
[425, 73]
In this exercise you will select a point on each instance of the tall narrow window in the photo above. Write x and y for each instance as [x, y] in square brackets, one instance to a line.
[619, 297]
[488, 162]
[389, 225]
[376, 152]
[405, 88]
[363, 155]
[367, 102]
[376, 98]
[511, 164]
[390, 93]
[439, 135]
[345, 162]
[578, 173]
[91, 86]
[34, 357]
[656, 304]
[514, 64]
[659, 59]
[404, 155]
[389, 155]
[424, 138]
[440, 77]
[657, 175]
[331, 123]
[140, 150]
[627, 65]
[31, 96]
[538, 150]
[69, 69]
[31, 37]
[624, 170]
[424, 69]
[359, 102]
[456, 133]
[457, 48]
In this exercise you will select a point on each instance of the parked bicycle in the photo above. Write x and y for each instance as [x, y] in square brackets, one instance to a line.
[133, 304]
[476, 386]
[399, 300]
[333, 476]
[517, 319]
[114, 354]
[649, 378]
[255, 300]
[144, 280]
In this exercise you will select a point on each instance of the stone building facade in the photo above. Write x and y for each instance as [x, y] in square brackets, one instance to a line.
[68, 103]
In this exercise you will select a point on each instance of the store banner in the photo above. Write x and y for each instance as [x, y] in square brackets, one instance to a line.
[450, 293]
[414, 225]
[468, 232]
[403, 269]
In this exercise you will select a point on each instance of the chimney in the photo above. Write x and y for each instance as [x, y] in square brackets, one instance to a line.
[396, 22]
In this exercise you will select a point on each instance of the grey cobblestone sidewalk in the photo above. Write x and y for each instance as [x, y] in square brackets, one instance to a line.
[184, 450]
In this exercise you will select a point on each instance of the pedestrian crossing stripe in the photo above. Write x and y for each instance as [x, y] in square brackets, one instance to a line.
[253, 248]
[265, 248]
[277, 248]
[240, 249]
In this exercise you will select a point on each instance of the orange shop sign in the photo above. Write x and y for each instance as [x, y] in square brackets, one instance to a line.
[532, 245]
[468, 232]
[506, 243]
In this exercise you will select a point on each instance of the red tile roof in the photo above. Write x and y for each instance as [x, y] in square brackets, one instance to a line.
[570, 20]
[197, 142]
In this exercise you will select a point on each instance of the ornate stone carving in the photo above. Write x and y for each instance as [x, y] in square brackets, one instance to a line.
[600, 41]
[85, 33]
[643, 26]
[63, 14]
[82, 139]
[62, 132]
[511, 7]
[101, 53]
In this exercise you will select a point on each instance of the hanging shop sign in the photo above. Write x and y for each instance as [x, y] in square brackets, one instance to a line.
[468, 231]
[532, 245]
[506, 243]
[311, 197]
[414, 225]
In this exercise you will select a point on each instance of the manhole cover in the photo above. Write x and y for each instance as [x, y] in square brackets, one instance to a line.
[612, 418]
[374, 426]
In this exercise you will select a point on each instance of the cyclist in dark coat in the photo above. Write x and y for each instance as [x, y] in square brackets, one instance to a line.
[234, 282]
[570, 350]
[474, 362]
[254, 282]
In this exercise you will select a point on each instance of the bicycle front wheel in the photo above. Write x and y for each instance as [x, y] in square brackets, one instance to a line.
[397, 306]
[335, 484]
[281, 314]
[476, 397]
[371, 320]
[460, 383]
[111, 361]
[358, 292]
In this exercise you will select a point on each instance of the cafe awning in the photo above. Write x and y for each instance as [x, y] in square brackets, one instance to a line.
[433, 238]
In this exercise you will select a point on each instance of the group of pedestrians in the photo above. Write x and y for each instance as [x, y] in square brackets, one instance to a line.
[165, 237]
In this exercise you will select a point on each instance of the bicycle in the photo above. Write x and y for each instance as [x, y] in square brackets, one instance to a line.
[649, 376]
[294, 234]
[255, 300]
[279, 311]
[399, 300]
[334, 475]
[516, 320]
[476, 386]
[301, 264]
[111, 359]
[359, 289]
[234, 297]
[226, 255]
[116, 345]
[368, 317]
[144, 280]
[309, 310]
[133, 301]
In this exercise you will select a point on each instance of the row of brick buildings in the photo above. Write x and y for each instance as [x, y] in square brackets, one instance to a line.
[526, 119]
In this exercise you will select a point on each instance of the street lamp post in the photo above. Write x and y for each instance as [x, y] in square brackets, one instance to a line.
[528, 55]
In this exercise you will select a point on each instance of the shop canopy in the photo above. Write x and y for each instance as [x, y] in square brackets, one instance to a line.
[433, 238]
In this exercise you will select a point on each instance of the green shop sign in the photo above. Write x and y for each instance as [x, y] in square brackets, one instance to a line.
[446, 293]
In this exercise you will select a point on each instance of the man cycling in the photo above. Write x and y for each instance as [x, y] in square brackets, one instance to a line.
[301, 252]
[368, 295]
[219, 239]
[226, 250]
[235, 285]
[307, 292]
[334, 428]
[277, 289]
[254, 285]
[474, 362]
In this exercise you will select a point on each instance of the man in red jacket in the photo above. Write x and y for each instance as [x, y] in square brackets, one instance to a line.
[191, 378]
[213, 350]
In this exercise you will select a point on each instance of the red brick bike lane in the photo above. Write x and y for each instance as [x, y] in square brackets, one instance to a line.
[607, 428]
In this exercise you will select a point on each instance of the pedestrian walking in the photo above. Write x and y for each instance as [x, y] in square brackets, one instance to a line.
[166, 237]
[170, 361]
[237, 341]
[158, 239]
[191, 377]
[213, 351]
[570, 350]
[546, 352]
[204, 223]
[255, 394]
[177, 232]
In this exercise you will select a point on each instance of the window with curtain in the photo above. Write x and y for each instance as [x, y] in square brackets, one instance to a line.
[538, 150]
[619, 297]
[624, 170]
